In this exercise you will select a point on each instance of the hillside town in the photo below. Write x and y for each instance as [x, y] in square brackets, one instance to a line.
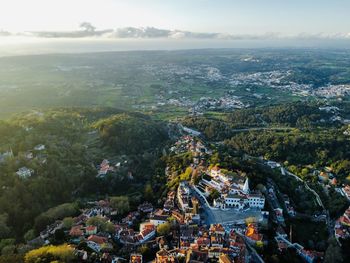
[216, 218]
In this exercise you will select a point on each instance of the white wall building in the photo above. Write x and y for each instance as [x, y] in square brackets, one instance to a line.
[183, 196]
[256, 200]
[241, 198]
[215, 171]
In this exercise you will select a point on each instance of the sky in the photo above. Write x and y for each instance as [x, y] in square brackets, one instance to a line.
[287, 17]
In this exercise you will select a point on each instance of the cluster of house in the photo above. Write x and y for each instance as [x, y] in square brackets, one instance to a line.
[25, 172]
[106, 167]
[194, 145]
[342, 226]
[200, 244]
[234, 192]
[290, 209]
[94, 236]
[345, 191]
[283, 243]
[192, 241]
[226, 102]
[275, 204]
[128, 236]
[195, 241]
[188, 143]
[273, 79]
[183, 196]
[36, 153]
[6, 155]
[189, 205]
[100, 241]
[331, 91]
[326, 176]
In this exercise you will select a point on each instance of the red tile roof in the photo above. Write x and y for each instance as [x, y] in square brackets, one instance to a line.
[344, 220]
[203, 241]
[91, 228]
[76, 231]
[97, 239]
[252, 233]
[216, 168]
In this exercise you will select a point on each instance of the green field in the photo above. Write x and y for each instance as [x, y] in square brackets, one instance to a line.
[147, 81]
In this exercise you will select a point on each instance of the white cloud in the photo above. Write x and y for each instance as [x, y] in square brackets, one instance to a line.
[177, 35]
[87, 30]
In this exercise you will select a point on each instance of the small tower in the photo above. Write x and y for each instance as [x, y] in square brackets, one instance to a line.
[195, 205]
[246, 186]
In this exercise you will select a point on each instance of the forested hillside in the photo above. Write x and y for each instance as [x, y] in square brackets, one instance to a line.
[130, 133]
[291, 115]
[300, 134]
[62, 149]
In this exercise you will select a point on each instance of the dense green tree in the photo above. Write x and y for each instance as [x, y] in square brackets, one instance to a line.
[214, 194]
[4, 229]
[6, 243]
[333, 253]
[120, 203]
[97, 221]
[109, 227]
[149, 195]
[131, 133]
[163, 229]
[29, 235]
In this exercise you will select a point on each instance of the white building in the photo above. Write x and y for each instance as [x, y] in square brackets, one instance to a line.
[183, 196]
[6, 155]
[273, 164]
[223, 178]
[256, 200]
[157, 220]
[40, 147]
[244, 201]
[235, 201]
[24, 172]
[147, 231]
[241, 198]
[215, 171]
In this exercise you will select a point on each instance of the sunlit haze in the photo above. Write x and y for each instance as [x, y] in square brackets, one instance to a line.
[226, 16]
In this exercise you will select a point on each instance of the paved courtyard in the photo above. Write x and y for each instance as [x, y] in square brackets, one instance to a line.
[212, 216]
[228, 216]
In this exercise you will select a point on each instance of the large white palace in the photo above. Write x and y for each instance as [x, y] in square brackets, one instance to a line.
[233, 193]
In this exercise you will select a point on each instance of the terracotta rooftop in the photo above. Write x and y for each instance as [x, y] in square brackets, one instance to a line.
[76, 231]
[252, 233]
[215, 168]
[225, 259]
[91, 228]
[97, 239]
